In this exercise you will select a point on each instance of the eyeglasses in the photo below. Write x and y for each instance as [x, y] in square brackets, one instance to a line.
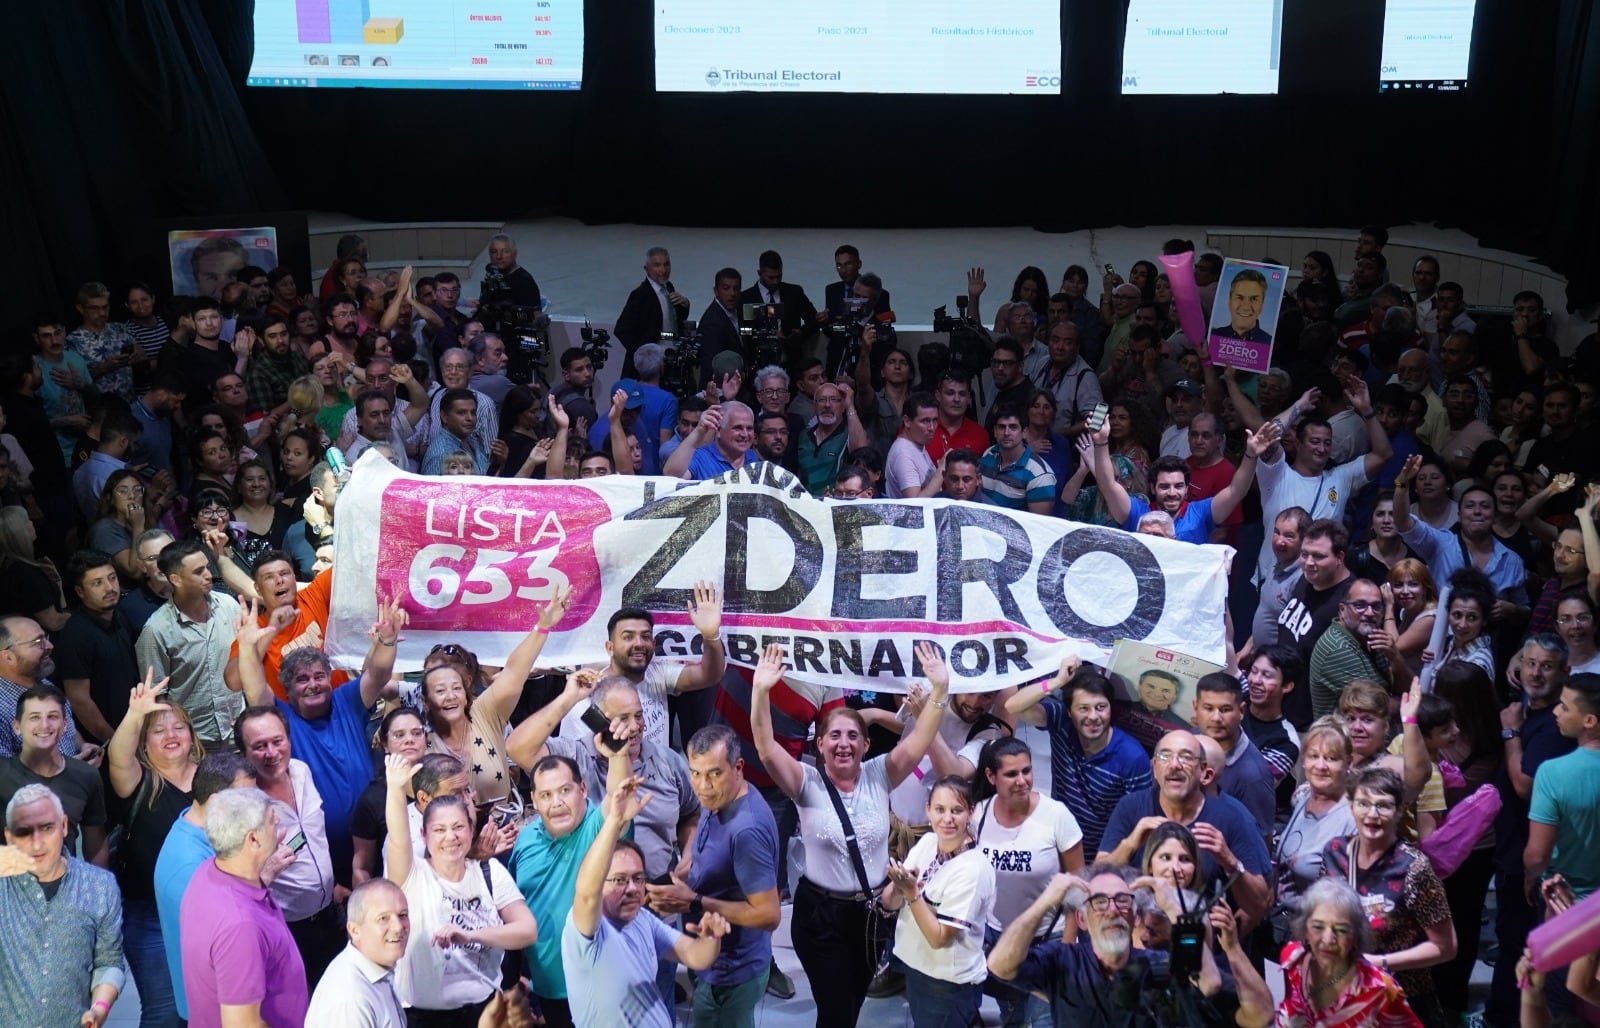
[1180, 757]
[1575, 619]
[41, 641]
[1100, 902]
[998, 362]
[1571, 551]
[1381, 807]
[640, 880]
[1362, 605]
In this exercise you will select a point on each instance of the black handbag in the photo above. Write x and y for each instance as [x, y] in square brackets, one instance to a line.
[880, 922]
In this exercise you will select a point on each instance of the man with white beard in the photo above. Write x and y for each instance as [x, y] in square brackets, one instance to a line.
[1076, 977]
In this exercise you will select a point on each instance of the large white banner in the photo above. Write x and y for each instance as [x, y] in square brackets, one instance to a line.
[847, 588]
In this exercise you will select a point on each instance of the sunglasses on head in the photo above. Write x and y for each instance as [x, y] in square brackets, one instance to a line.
[450, 650]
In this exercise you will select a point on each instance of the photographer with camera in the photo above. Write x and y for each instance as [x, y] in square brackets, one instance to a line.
[504, 281]
[797, 316]
[864, 306]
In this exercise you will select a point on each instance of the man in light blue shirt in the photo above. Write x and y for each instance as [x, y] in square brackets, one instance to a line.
[458, 420]
[1476, 546]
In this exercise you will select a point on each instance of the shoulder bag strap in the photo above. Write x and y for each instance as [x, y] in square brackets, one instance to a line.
[849, 834]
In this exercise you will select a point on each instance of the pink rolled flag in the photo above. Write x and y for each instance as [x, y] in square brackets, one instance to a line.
[1186, 298]
[1567, 936]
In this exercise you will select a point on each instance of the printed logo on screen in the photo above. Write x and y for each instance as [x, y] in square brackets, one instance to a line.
[713, 78]
[1042, 82]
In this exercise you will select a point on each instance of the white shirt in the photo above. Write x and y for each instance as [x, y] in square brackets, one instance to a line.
[1175, 441]
[961, 892]
[828, 861]
[305, 886]
[1026, 857]
[443, 978]
[1323, 496]
[908, 467]
[909, 800]
[355, 993]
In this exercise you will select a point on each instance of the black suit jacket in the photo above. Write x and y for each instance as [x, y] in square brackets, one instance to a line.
[717, 334]
[640, 320]
[834, 294]
[799, 316]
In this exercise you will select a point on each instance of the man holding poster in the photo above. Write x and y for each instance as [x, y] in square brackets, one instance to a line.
[1254, 293]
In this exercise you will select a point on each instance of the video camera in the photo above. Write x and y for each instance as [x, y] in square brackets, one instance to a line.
[858, 317]
[680, 361]
[969, 344]
[524, 330]
[762, 331]
[596, 344]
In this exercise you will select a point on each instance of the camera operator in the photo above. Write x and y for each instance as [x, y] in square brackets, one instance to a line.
[654, 309]
[504, 281]
[864, 306]
[798, 318]
[1103, 979]
[847, 262]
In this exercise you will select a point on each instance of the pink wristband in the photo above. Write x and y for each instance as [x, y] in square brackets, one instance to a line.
[103, 1005]
[540, 631]
[1408, 720]
[1044, 686]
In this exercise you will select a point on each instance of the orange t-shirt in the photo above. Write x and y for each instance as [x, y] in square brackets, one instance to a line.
[307, 629]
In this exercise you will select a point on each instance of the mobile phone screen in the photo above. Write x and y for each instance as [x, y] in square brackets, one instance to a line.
[296, 842]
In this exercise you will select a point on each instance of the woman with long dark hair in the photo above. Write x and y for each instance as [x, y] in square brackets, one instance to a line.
[1030, 837]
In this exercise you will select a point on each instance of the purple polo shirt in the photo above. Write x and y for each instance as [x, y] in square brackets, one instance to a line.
[237, 951]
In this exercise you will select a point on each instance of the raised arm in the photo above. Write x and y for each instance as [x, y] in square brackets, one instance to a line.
[416, 397]
[556, 466]
[1080, 470]
[1248, 412]
[705, 612]
[911, 748]
[378, 667]
[506, 688]
[1361, 401]
[1403, 521]
[526, 744]
[624, 802]
[402, 293]
[1112, 494]
[397, 775]
[254, 638]
[122, 752]
[855, 428]
[1231, 495]
[677, 465]
[617, 434]
[1012, 948]
[780, 764]
[904, 893]
[1025, 704]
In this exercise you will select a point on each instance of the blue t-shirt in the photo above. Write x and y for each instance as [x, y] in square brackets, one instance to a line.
[708, 462]
[1566, 794]
[1193, 524]
[1248, 779]
[1069, 976]
[1224, 813]
[182, 854]
[1092, 786]
[545, 869]
[337, 750]
[736, 857]
[614, 973]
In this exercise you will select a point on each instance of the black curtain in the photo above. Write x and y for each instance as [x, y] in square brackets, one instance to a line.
[119, 112]
[112, 114]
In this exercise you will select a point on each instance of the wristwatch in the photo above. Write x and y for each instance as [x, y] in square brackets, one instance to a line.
[1507, 734]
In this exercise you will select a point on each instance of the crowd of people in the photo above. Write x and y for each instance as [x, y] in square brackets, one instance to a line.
[196, 797]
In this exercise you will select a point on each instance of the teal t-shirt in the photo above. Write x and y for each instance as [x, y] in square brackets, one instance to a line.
[1566, 794]
[546, 871]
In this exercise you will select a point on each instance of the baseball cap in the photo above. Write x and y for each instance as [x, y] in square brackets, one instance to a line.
[635, 393]
[726, 363]
[1187, 385]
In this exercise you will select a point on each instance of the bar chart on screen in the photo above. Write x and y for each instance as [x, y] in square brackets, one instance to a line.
[444, 44]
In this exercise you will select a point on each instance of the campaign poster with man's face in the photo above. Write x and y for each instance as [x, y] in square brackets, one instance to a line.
[1154, 689]
[1245, 314]
[205, 262]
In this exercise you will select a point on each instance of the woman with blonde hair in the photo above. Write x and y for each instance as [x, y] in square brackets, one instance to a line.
[1320, 815]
